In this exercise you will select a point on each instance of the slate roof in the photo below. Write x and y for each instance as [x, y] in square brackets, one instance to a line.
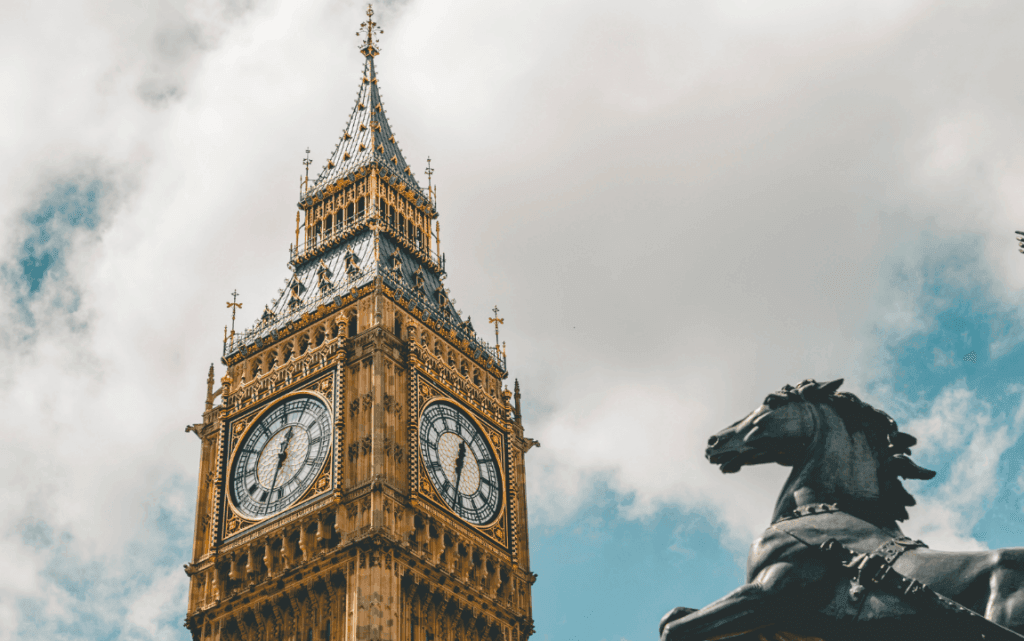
[367, 140]
[347, 268]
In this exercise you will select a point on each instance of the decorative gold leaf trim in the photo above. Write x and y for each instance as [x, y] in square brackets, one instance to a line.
[235, 524]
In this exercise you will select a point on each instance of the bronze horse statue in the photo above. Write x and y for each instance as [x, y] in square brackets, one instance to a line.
[834, 563]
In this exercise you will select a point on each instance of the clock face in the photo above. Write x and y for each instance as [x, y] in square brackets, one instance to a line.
[459, 463]
[280, 456]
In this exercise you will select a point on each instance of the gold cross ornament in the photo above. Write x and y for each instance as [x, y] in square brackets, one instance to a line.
[497, 321]
[234, 305]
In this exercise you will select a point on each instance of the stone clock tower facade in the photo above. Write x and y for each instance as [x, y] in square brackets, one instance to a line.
[361, 471]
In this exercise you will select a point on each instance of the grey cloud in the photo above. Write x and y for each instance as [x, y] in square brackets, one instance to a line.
[678, 208]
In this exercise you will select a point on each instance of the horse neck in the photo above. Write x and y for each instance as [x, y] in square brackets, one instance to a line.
[838, 466]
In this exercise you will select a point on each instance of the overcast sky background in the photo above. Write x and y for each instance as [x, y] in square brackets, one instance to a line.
[678, 207]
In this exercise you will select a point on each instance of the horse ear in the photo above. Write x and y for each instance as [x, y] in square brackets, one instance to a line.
[829, 388]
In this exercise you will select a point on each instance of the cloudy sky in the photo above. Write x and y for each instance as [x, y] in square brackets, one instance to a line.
[678, 207]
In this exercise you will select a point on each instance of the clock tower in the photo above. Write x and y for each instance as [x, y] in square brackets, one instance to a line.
[361, 469]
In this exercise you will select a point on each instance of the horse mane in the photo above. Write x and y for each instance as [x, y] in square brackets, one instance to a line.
[890, 446]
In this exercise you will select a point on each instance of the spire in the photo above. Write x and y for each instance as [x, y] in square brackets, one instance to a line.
[367, 139]
[518, 408]
[367, 225]
[209, 391]
[369, 28]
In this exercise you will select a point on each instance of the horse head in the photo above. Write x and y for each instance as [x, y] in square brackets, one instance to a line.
[841, 449]
[778, 431]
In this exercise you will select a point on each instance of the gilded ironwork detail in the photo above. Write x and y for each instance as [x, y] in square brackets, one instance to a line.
[364, 306]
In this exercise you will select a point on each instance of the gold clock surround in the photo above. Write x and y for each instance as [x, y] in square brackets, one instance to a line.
[317, 486]
[365, 325]
[425, 489]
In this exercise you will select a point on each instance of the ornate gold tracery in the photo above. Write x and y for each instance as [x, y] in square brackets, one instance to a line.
[367, 536]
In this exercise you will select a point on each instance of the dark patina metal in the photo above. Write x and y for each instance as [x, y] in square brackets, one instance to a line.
[834, 564]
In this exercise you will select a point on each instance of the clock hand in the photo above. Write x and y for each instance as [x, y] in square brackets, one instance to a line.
[284, 447]
[459, 463]
[281, 456]
[272, 484]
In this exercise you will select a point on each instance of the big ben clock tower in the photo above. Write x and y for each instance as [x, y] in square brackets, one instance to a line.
[361, 470]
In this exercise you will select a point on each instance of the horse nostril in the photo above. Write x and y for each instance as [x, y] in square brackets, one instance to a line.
[713, 441]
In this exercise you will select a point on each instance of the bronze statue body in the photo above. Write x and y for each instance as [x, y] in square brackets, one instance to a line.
[834, 563]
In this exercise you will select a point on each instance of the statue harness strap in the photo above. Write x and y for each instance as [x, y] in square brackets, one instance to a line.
[875, 590]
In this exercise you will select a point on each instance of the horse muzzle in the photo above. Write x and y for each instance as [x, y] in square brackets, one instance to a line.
[727, 461]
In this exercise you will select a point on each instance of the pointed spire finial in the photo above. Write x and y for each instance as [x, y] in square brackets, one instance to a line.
[234, 306]
[307, 161]
[209, 390]
[370, 28]
[497, 321]
[518, 410]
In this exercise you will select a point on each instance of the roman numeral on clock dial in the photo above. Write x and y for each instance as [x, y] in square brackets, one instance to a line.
[279, 456]
[459, 463]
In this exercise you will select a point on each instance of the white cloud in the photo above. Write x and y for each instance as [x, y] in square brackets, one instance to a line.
[955, 414]
[678, 209]
[946, 518]
[644, 442]
[963, 430]
[161, 602]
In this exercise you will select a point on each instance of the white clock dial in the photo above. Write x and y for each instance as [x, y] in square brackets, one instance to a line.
[279, 457]
[460, 463]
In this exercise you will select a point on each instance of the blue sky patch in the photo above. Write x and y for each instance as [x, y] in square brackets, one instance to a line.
[616, 577]
[65, 207]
